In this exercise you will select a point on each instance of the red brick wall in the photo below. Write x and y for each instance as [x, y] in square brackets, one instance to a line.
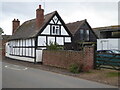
[88, 58]
[2, 47]
[64, 59]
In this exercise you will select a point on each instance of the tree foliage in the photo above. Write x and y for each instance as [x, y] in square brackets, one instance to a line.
[54, 46]
[1, 31]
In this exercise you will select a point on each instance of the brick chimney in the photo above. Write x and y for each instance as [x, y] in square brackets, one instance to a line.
[15, 24]
[39, 17]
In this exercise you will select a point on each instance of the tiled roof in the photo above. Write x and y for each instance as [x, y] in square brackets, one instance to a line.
[73, 27]
[28, 28]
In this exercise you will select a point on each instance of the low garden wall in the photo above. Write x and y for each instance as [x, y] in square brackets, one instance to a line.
[64, 59]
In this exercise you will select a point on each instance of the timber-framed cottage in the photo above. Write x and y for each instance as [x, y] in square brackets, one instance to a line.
[29, 39]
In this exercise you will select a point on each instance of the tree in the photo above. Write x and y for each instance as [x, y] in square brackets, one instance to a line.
[1, 31]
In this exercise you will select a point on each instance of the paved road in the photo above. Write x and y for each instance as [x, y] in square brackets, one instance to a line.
[24, 77]
[0, 75]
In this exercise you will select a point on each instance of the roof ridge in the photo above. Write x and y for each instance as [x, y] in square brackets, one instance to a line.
[50, 13]
[76, 21]
[35, 18]
[29, 27]
[76, 26]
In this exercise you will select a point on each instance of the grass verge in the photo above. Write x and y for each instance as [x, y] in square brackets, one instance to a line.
[113, 74]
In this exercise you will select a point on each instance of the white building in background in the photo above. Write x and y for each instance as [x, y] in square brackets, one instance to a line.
[108, 44]
[32, 36]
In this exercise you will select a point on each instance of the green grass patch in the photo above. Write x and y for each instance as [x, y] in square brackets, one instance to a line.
[113, 74]
[75, 68]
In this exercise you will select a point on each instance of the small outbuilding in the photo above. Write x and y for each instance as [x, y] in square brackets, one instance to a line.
[81, 33]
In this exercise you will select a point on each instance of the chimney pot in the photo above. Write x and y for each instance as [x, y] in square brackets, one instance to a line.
[17, 19]
[14, 19]
[39, 6]
[15, 25]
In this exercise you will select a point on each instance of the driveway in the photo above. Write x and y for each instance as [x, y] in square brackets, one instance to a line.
[16, 76]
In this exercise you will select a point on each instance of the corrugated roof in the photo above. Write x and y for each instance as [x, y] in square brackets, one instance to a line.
[73, 27]
[28, 28]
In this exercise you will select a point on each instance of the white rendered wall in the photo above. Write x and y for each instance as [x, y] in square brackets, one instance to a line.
[21, 51]
[108, 44]
[7, 49]
[20, 58]
[46, 30]
[63, 31]
[39, 55]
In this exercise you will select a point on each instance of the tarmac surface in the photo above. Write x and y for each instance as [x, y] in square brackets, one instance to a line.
[17, 76]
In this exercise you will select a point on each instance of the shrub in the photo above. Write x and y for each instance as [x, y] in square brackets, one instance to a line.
[75, 68]
[54, 46]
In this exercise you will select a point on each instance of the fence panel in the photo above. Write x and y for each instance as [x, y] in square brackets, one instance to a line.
[105, 60]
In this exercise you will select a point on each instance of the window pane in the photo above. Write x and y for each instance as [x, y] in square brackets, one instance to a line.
[81, 31]
[87, 35]
[67, 39]
[55, 30]
[42, 41]
[81, 34]
[59, 40]
[51, 39]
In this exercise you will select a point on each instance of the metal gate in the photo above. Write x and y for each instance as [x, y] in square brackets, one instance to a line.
[105, 60]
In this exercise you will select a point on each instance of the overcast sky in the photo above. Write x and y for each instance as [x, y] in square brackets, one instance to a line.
[98, 14]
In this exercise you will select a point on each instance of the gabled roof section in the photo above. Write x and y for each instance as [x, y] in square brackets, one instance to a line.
[73, 27]
[28, 28]
[60, 19]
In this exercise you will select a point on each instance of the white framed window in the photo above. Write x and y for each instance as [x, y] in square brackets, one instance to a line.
[81, 34]
[55, 30]
[41, 40]
[87, 34]
[67, 39]
[59, 40]
[23, 42]
[51, 39]
[20, 42]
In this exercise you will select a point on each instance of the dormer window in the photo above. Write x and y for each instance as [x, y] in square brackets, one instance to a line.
[55, 30]
[84, 35]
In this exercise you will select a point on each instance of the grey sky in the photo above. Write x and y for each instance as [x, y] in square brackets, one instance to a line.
[97, 13]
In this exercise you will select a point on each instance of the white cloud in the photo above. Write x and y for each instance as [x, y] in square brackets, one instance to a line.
[59, 0]
[97, 14]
